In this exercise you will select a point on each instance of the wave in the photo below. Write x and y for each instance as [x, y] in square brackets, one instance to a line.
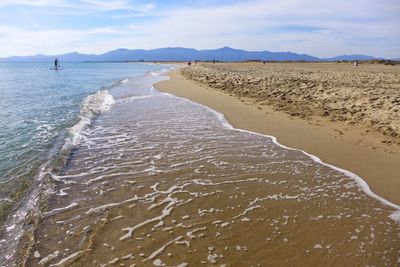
[92, 106]
[163, 70]
[19, 228]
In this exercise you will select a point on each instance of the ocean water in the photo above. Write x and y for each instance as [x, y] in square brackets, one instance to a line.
[44, 113]
[151, 179]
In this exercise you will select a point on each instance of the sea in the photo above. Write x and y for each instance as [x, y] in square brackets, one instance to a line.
[98, 168]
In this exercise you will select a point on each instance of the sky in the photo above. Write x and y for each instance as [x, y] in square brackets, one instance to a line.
[322, 28]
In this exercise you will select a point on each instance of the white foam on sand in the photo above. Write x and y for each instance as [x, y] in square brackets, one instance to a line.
[158, 263]
[162, 248]
[360, 182]
[165, 212]
[62, 209]
[62, 192]
[395, 216]
[64, 260]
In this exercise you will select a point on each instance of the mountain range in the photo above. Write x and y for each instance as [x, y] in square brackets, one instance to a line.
[182, 54]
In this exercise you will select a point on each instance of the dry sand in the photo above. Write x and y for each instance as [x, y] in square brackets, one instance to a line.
[347, 116]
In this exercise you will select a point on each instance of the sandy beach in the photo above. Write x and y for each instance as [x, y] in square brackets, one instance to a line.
[347, 116]
[163, 181]
[254, 134]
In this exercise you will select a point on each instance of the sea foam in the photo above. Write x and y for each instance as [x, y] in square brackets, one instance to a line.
[91, 106]
[395, 215]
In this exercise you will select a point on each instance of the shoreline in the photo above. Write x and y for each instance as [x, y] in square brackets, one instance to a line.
[145, 194]
[343, 146]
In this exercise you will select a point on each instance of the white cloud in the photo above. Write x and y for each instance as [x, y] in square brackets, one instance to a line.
[53, 41]
[336, 27]
[253, 25]
[37, 3]
[81, 5]
[106, 5]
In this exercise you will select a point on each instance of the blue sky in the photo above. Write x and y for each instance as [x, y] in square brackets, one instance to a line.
[320, 27]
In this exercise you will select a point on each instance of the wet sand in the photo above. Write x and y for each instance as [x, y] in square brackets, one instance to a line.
[163, 181]
[357, 147]
[178, 187]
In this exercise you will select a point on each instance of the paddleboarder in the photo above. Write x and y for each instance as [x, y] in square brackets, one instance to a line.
[56, 64]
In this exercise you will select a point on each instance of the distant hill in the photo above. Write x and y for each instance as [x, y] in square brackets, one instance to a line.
[349, 57]
[182, 54]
